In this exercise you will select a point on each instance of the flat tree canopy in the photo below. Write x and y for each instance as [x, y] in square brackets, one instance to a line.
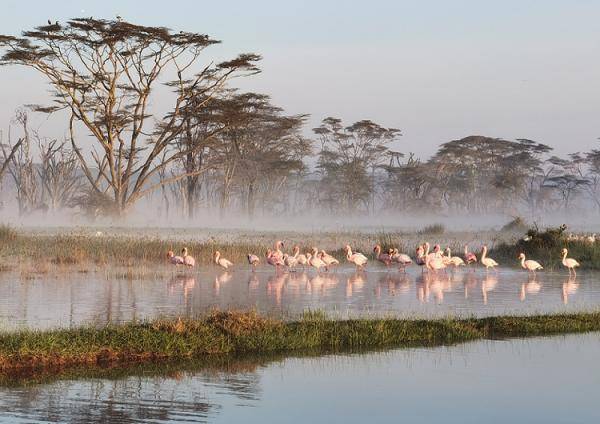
[103, 73]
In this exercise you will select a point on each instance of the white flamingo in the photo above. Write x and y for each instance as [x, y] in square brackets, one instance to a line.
[187, 259]
[529, 265]
[400, 258]
[455, 261]
[290, 261]
[569, 263]
[357, 259]
[300, 257]
[315, 262]
[253, 260]
[222, 262]
[487, 262]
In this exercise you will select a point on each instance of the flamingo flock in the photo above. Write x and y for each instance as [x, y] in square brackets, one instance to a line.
[433, 260]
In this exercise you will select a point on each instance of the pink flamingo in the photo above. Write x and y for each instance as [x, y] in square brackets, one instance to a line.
[315, 262]
[384, 258]
[273, 260]
[174, 260]
[529, 265]
[470, 257]
[187, 259]
[277, 252]
[421, 255]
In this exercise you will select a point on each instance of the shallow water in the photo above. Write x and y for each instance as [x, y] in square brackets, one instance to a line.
[72, 299]
[538, 380]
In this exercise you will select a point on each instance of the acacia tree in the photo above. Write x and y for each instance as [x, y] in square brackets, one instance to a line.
[347, 156]
[19, 162]
[58, 173]
[103, 73]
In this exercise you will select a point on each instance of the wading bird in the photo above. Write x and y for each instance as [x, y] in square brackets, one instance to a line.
[421, 258]
[455, 261]
[328, 259]
[357, 259]
[487, 262]
[273, 260]
[187, 259]
[290, 261]
[253, 260]
[222, 262]
[174, 260]
[300, 257]
[277, 252]
[470, 257]
[384, 258]
[569, 263]
[529, 265]
[315, 262]
[400, 258]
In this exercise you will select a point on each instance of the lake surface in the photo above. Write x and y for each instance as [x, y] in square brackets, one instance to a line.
[67, 300]
[542, 380]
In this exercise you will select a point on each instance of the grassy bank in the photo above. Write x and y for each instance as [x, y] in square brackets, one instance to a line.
[236, 333]
[545, 247]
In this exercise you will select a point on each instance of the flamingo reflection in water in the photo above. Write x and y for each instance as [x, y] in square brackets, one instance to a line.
[221, 279]
[569, 287]
[530, 287]
[394, 284]
[469, 282]
[253, 282]
[354, 283]
[433, 283]
[187, 284]
[275, 287]
[488, 284]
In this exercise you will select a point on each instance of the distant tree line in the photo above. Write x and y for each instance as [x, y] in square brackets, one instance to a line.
[223, 150]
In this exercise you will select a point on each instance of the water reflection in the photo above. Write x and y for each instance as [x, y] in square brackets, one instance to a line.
[335, 388]
[71, 299]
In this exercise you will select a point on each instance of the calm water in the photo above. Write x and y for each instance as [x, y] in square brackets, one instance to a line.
[552, 380]
[70, 300]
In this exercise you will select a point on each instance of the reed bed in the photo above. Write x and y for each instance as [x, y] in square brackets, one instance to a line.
[247, 333]
[88, 249]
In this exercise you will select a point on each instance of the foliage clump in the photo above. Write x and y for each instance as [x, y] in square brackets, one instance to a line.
[516, 225]
[434, 229]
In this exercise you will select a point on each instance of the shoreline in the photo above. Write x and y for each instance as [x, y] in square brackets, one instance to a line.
[247, 334]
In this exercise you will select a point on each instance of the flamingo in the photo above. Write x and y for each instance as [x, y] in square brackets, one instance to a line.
[357, 259]
[273, 260]
[277, 252]
[421, 256]
[529, 265]
[222, 262]
[174, 260]
[435, 263]
[470, 257]
[384, 258]
[487, 262]
[315, 262]
[569, 263]
[290, 261]
[300, 257]
[328, 259]
[400, 258]
[187, 259]
[456, 261]
[253, 260]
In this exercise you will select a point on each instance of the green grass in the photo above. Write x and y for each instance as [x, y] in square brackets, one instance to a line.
[545, 247]
[247, 333]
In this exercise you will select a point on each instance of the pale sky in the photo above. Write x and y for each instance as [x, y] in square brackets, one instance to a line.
[437, 69]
